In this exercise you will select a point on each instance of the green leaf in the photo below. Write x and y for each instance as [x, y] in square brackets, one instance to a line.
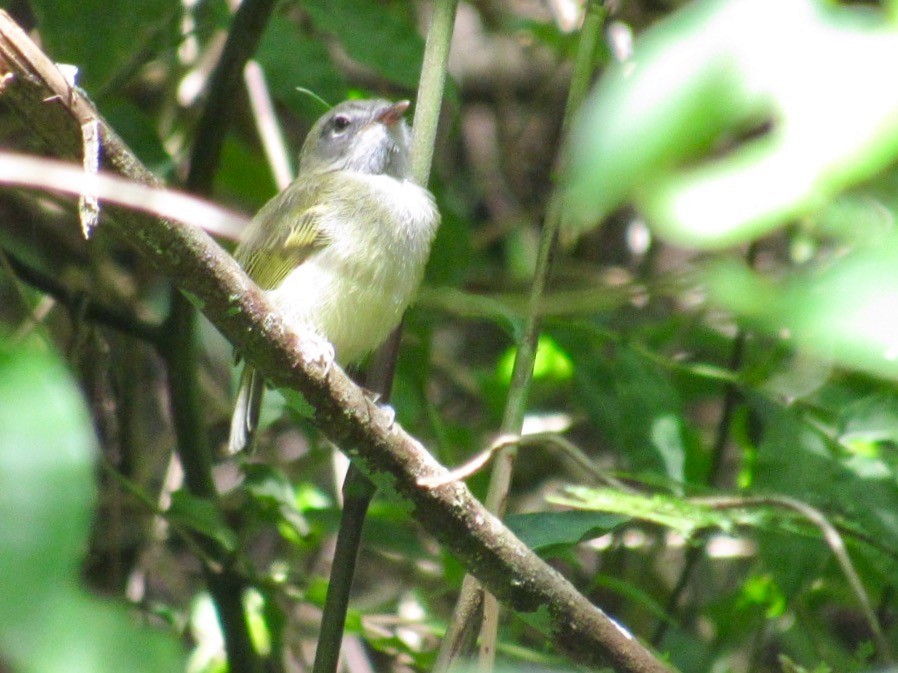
[796, 459]
[762, 590]
[381, 36]
[539, 530]
[259, 631]
[271, 489]
[551, 362]
[48, 624]
[792, 561]
[46, 479]
[846, 312]
[264, 482]
[627, 396]
[202, 516]
[675, 513]
[309, 66]
[81, 634]
[297, 402]
[100, 37]
[667, 439]
[870, 419]
[637, 125]
[719, 75]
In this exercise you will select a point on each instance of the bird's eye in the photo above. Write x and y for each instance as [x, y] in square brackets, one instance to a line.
[341, 123]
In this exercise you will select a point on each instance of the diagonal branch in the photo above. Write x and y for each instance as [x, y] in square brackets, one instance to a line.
[394, 460]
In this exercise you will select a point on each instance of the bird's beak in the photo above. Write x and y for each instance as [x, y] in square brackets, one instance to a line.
[393, 113]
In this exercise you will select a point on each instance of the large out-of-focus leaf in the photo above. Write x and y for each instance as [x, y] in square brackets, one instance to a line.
[846, 312]
[101, 37]
[46, 480]
[48, 624]
[815, 75]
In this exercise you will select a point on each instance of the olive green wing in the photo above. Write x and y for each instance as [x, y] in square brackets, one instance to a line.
[285, 233]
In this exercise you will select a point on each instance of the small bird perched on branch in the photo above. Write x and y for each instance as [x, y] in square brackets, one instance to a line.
[342, 249]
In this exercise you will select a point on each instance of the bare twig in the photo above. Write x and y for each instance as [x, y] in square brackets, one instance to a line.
[522, 373]
[267, 124]
[541, 439]
[358, 490]
[60, 176]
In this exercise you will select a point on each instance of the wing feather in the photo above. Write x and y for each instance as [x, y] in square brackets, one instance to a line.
[284, 234]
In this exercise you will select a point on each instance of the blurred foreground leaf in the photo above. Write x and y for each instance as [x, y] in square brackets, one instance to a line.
[48, 624]
[735, 116]
[846, 312]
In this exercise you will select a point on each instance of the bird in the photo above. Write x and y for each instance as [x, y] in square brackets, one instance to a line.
[342, 249]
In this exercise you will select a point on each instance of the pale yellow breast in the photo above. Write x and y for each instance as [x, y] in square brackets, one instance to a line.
[355, 291]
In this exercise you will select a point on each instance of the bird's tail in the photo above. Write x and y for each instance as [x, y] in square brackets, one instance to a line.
[245, 420]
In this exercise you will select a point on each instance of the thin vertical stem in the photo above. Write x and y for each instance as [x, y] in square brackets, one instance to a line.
[357, 493]
[179, 352]
[358, 490]
[180, 344]
[430, 89]
[522, 374]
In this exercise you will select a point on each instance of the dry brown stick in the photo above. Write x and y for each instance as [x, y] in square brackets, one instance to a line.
[394, 460]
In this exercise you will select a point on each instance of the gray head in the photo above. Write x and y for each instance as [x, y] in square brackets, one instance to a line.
[367, 136]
